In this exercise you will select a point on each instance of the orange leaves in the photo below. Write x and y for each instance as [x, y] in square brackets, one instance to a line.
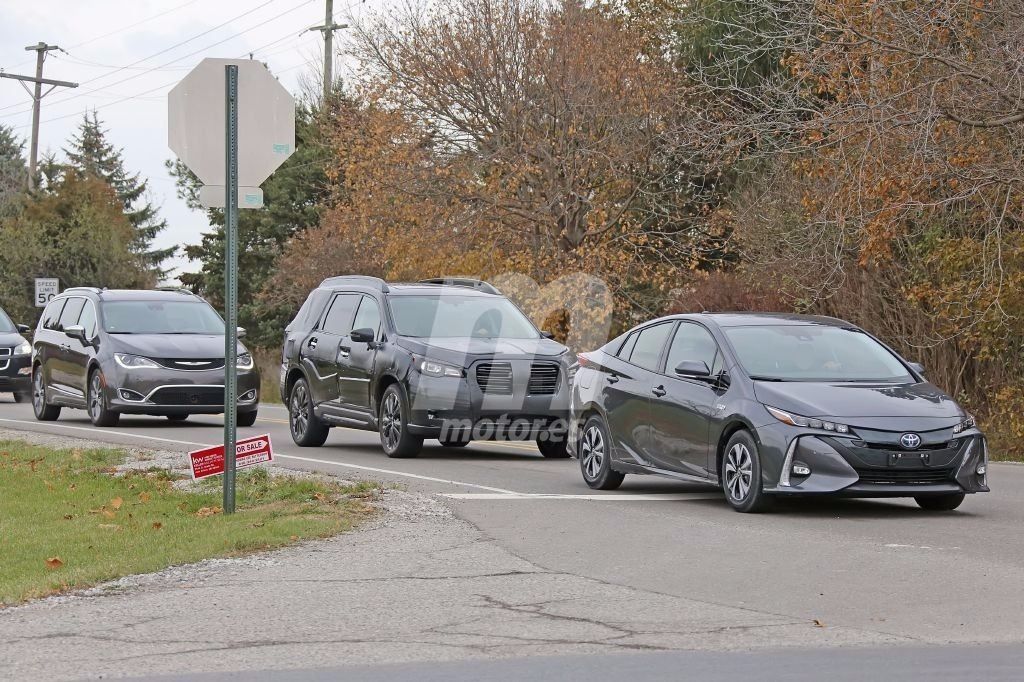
[54, 563]
[208, 511]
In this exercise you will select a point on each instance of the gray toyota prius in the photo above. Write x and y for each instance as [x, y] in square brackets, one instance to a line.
[767, 405]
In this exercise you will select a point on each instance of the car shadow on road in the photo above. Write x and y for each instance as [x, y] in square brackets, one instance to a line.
[847, 508]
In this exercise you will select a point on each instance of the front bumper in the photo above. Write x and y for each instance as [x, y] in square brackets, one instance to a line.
[850, 467]
[15, 373]
[459, 407]
[165, 392]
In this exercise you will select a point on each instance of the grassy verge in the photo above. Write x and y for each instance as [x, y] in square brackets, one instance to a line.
[269, 362]
[67, 522]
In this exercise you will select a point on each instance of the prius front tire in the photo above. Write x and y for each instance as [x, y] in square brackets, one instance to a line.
[741, 474]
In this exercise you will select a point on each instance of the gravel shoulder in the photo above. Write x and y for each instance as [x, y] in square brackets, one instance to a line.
[414, 584]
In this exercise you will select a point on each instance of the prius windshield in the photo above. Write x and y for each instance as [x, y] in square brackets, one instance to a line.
[161, 317]
[453, 316]
[814, 353]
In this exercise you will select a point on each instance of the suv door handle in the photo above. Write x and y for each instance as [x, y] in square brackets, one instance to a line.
[311, 343]
[659, 391]
[612, 378]
[343, 351]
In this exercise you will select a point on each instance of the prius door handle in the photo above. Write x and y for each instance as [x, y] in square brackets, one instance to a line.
[612, 378]
[344, 351]
[311, 343]
[659, 391]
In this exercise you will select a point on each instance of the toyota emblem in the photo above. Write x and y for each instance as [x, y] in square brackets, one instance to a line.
[910, 441]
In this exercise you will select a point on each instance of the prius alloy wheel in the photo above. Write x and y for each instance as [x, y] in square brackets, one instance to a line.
[595, 457]
[741, 474]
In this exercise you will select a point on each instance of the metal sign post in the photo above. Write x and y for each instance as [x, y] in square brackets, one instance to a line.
[230, 283]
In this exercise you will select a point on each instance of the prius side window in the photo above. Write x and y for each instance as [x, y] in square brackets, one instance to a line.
[647, 350]
[692, 343]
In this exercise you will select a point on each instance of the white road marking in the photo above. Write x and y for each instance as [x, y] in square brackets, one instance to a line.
[611, 497]
[94, 431]
[894, 545]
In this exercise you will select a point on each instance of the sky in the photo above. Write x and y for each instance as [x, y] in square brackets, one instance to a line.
[127, 54]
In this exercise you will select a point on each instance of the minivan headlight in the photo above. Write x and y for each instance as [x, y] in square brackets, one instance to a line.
[244, 361]
[436, 369]
[24, 348]
[134, 361]
[807, 422]
[967, 424]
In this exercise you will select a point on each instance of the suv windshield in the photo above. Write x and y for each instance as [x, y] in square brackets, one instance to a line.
[6, 325]
[161, 317]
[453, 316]
[813, 353]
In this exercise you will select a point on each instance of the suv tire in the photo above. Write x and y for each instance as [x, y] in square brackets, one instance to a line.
[43, 410]
[306, 428]
[393, 425]
[96, 402]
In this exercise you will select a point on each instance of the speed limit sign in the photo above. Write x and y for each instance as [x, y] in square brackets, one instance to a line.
[46, 288]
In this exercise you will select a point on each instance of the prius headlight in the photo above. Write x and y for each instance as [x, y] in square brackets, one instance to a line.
[134, 361]
[967, 424]
[24, 348]
[244, 361]
[807, 422]
[437, 369]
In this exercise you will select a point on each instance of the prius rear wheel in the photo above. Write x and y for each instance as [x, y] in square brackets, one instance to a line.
[595, 457]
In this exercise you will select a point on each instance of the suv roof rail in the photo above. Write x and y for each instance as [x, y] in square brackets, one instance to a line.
[468, 282]
[178, 290]
[366, 280]
[95, 290]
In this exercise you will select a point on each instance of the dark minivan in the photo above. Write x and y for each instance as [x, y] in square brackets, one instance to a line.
[114, 352]
[15, 359]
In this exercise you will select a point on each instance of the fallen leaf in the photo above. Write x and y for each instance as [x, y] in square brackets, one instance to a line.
[116, 503]
[319, 496]
[157, 525]
[144, 497]
[76, 454]
[68, 517]
[208, 511]
[818, 623]
[109, 514]
[294, 537]
[110, 526]
[54, 562]
[72, 486]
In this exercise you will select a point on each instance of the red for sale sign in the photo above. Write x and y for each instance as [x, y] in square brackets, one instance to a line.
[248, 452]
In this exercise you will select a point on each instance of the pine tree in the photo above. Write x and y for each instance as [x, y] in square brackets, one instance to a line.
[92, 154]
[13, 172]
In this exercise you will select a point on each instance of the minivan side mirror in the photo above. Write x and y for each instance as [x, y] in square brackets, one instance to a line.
[363, 335]
[22, 328]
[694, 369]
[76, 331]
[240, 332]
[917, 367]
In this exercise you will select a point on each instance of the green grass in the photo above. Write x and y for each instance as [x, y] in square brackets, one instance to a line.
[67, 522]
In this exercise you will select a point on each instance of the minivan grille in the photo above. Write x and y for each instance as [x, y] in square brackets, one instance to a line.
[494, 377]
[5, 357]
[191, 364]
[543, 379]
[189, 395]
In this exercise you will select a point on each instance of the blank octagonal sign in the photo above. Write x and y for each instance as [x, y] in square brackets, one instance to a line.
[196, 121]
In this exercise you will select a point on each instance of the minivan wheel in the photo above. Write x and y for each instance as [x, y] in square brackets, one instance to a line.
[306, 428]
[96, 403]
[43, 411]
[595, 457]
[741, 475]
[394, 425]
[940, 502]
[245, 418]
[177, 417]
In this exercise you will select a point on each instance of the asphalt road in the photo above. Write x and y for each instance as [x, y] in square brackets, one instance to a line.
[881, 567]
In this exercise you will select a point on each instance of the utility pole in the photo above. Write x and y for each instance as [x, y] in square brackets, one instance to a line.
[37, 96]
[328, 29]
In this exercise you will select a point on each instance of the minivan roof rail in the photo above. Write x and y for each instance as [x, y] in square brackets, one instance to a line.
[468, 282]
[365, 280]
[95, 290]
[178, 290]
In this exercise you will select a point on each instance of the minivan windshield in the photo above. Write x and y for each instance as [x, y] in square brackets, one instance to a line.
[6, 326]
[814, 353]
[160, 317]
[454, 316]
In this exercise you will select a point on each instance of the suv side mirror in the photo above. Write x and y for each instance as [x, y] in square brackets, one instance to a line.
[76, 331]
[693, 369]
[363, 335]
[22, 328]
[917, 367]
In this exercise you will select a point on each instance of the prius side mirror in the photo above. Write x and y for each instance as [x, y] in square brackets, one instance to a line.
[693, 369]
[363, 335]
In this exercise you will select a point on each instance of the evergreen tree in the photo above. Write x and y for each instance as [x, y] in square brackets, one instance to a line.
[13, 171]
[90, 153]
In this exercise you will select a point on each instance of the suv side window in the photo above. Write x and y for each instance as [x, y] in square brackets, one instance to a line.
[339, 318]
[649, 343]
[52, 314]
[69, 316]
[88, 319]
[692, 343]
[368, 316]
